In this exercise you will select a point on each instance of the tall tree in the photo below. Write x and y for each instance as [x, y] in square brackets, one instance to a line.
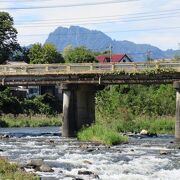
[21, 55]
[8, 37]
[78, 55]
[44, 54]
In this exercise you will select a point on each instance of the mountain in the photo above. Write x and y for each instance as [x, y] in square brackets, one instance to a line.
[98, 41]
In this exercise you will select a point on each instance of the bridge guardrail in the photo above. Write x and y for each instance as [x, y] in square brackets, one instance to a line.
[83, 67]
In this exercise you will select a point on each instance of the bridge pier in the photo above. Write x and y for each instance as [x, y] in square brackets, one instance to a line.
[177, 124]
[78, 107]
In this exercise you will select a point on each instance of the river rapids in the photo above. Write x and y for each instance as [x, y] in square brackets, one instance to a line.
[156, 158]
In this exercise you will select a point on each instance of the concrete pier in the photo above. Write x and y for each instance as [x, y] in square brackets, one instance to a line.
[78, 107]
[177, 124]
[69, 113]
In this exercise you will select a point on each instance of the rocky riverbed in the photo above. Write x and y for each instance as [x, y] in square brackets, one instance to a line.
[143, 157]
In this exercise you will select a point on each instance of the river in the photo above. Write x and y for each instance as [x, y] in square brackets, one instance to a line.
[141, 159]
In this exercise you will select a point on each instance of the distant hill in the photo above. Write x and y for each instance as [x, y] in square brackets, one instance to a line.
[98, 41]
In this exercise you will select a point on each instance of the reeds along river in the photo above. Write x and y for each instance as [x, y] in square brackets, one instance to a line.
[141, 159]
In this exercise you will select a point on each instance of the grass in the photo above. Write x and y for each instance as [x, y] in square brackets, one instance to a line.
[108, 128]
[12, 171]
[154, 125]
[27, 121]
[101, 134]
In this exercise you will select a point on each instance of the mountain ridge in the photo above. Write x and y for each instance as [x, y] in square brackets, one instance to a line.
[99, 41]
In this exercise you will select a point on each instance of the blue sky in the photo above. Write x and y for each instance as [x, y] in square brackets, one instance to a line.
[155, 22]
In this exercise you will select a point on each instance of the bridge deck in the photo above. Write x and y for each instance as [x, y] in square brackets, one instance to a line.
[88, 68]
[107, 73]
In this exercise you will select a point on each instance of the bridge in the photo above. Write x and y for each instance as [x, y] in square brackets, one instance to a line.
[80, 82]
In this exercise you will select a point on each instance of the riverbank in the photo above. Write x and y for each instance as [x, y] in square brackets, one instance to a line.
[109, 130]
[11, 170]
[30, 121]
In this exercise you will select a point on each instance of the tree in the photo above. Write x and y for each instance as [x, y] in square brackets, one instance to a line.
[8, 37]
[44, 54]
[177, 57]
[78, 55]
[21, 55]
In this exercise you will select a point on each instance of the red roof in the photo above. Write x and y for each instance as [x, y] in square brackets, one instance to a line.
[114, 58]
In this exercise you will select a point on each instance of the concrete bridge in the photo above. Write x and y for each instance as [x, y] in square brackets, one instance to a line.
[80, 82]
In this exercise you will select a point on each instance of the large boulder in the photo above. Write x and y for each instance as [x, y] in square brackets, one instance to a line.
[39, 165]
[144, 132]
[45, 168]
[35, 162]
[164, 152]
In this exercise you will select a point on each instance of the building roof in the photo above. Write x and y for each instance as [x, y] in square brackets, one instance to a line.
[114, 58]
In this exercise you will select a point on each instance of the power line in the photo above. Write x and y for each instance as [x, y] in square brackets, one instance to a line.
[105, 21]
[138, 15]
[131, 30]
[69, 5]
[130, 14]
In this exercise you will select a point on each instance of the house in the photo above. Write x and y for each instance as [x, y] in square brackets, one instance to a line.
[115, 58]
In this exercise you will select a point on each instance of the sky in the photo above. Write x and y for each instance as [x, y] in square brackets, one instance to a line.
[155, 22]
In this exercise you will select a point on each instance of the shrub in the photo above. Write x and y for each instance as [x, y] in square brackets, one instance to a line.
[101, 134]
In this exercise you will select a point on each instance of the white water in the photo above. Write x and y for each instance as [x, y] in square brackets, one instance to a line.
[138, 160]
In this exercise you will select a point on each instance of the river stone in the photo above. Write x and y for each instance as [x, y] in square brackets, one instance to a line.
[91, 174]
[144, 132]
[164, 152]
[87, 162]
[5, 136]
[45, 168]
[77, 178]
[85, 172]
[90, 150]
[35, 162]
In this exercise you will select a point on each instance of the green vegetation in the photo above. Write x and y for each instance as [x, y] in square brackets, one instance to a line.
[28, 121]
[12, 171]
[157, 100]
[78, 55]
[35, 112]
[131, 108]
[45, 104]
[44, 54]
[101, 134]
[177, 58]
[8, 37]
[136, 107]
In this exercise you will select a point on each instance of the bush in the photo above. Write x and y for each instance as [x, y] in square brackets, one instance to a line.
[9, 104]
[45, 104]
[138, 99]
[101, 134]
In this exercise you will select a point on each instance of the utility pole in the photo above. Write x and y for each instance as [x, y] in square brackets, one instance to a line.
[110, 53]
[148, 55]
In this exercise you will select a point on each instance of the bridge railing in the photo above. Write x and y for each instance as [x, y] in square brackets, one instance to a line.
[83, 67]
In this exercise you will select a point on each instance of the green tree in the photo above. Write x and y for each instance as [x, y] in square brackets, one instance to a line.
[21, 55]
[8, 37]
[44, 54]
[78, 55]
[177, 58]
